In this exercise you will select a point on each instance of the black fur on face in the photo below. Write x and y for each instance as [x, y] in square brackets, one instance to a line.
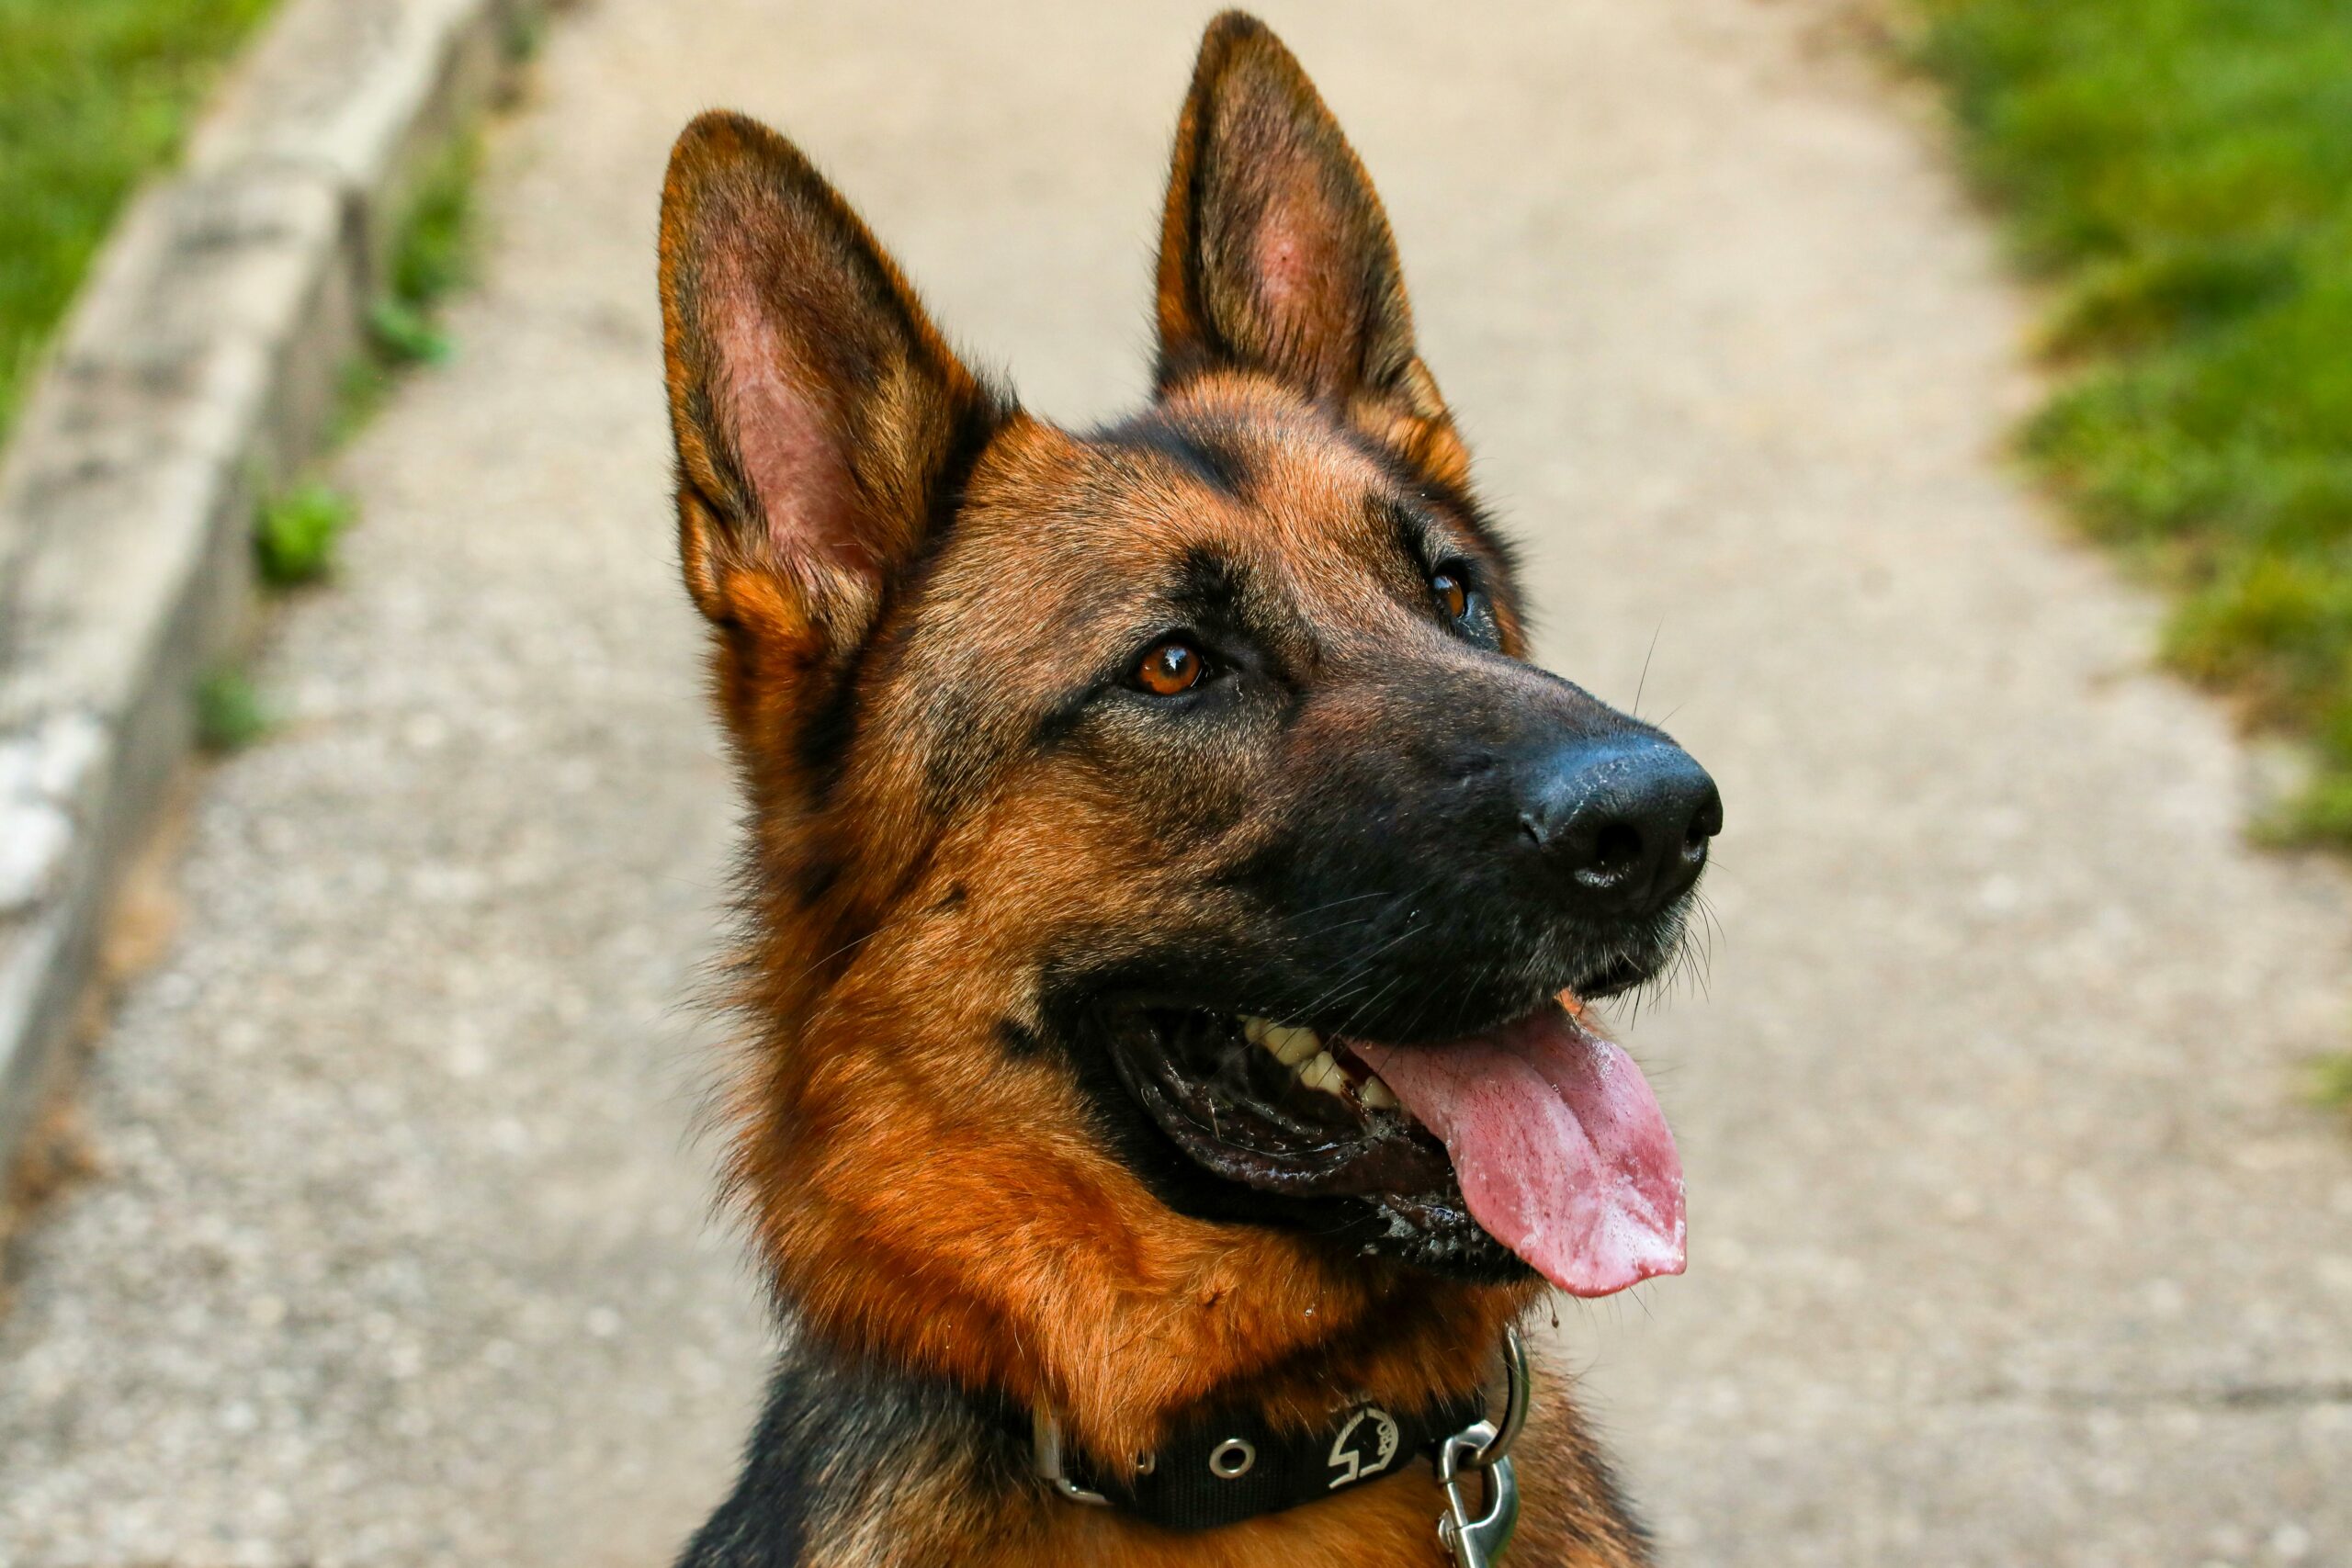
[1338, 815]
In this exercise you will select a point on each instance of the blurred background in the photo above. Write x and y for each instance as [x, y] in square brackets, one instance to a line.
[1937, 413]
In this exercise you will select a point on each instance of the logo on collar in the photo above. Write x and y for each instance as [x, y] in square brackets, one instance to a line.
[1366, 1445]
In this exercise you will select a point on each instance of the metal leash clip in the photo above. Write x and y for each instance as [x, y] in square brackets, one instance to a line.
[1485, 1447]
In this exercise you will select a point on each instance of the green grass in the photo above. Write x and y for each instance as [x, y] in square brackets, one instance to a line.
[2180, 172]
[296, 531]
[2330, 1083]
[295, 534]
[230, 713]
[435, 255]
[94, 95]
[433, 258]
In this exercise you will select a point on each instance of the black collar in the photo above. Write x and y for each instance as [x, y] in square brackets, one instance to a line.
[1226, 1466]
[1222, 1468]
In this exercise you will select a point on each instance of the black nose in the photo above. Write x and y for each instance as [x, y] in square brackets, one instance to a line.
[1625, 820]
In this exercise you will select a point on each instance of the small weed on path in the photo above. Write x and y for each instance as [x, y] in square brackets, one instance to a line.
[230, 714]
[296, 532]
[295, 536]
[434, 258]
[2331, 1084]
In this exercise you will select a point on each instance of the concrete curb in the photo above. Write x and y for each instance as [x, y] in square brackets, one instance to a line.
[198, 371]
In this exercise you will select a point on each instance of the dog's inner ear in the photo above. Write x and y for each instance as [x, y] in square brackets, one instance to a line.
[817, 410]
[1275, 254]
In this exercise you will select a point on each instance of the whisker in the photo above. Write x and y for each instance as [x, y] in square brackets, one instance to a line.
[1642, 685]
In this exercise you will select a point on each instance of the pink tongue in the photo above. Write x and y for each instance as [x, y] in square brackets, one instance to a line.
[1558, 1144]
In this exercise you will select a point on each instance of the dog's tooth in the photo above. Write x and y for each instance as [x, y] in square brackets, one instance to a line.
[1292, 1047]
[1321, 1072]
[1376, 1096]
[1255, 1030]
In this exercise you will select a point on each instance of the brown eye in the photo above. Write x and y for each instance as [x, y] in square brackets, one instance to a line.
[1170, 668]
[1451, 594]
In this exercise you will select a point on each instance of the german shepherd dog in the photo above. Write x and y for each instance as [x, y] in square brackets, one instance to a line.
[1171, 902]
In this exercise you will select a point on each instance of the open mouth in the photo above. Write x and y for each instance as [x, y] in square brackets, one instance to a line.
[1540, 1136]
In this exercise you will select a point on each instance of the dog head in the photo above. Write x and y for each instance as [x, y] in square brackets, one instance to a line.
[1162, 852]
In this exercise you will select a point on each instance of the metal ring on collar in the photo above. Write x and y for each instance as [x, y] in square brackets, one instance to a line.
[1517, 1397]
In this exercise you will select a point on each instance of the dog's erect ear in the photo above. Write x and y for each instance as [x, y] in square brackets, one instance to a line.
[1275, 255]
[818, 413]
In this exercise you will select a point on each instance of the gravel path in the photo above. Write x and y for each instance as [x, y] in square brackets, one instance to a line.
[2010, 1243]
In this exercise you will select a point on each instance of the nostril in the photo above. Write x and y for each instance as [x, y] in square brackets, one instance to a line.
[1616, 849]
[1705, 823]
[1626, 824]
